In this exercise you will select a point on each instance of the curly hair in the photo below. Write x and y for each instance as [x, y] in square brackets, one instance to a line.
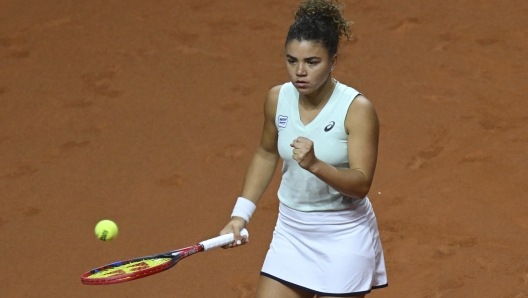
[320, 21]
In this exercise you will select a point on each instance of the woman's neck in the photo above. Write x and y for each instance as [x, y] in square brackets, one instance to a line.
[320, 96]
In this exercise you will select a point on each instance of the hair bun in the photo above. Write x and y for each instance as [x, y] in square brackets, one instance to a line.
[327, 11]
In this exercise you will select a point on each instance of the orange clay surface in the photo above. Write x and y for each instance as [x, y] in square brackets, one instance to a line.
[147, 113]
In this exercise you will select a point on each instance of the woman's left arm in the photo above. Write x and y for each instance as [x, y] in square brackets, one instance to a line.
[362, 126]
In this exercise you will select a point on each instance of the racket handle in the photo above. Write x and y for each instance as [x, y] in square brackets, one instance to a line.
[222, 240]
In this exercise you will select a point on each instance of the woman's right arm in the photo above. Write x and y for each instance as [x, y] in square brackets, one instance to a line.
[262, 166]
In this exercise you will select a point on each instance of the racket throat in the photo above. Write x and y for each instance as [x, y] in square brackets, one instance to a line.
[187, 251]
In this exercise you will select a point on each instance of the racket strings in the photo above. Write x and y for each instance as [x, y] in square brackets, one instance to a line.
[129, 268]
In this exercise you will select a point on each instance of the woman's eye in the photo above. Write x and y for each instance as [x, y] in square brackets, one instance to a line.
[291, 61]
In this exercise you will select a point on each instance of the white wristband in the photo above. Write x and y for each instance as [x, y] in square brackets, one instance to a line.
[244, 208]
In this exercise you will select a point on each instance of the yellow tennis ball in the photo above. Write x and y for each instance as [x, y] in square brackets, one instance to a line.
[106, 230]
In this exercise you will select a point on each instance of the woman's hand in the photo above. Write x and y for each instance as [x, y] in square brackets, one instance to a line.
[234, 226]
[303, 152]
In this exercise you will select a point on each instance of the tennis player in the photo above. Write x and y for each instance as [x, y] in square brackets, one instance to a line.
[326, 241]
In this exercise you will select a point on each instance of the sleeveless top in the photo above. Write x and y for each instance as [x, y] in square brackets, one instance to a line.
[299, 189]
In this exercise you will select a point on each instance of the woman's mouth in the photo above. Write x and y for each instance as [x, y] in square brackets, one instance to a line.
[301, 84]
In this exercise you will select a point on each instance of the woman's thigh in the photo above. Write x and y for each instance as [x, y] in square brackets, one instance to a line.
[270, 288]
[362, 296]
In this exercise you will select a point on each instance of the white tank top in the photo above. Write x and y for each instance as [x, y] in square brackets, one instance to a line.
[300, 189]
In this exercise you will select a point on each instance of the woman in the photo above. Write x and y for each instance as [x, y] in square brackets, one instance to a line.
[326, 241]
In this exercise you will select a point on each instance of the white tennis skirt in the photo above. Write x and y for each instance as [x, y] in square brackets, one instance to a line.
[334, 253]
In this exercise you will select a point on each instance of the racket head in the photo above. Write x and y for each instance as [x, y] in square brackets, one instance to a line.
[136, 268]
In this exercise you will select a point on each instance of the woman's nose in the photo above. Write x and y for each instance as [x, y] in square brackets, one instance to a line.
[301, 71]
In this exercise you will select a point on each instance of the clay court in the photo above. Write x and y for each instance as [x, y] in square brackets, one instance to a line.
[147, 113]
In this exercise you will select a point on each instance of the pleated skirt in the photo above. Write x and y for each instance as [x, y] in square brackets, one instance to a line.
[336, 253]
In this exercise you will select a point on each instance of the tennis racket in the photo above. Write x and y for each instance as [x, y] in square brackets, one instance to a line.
[132, 269]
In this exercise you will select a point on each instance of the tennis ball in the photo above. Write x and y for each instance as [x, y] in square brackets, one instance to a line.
[106, 230]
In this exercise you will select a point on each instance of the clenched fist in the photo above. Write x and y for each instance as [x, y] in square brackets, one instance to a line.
[303, 152]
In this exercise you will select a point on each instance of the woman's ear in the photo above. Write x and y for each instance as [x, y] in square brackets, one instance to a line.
[333, 62]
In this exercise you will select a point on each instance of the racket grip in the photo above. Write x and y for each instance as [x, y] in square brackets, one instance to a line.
[221, 240]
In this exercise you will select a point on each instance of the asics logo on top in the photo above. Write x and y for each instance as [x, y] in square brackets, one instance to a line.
[329, 126]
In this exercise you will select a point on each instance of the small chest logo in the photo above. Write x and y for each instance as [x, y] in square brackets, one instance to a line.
[329, 126]
[283, 120]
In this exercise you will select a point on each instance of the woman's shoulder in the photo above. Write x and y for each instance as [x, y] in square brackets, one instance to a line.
[272, 99]
[275, 90]
[361, 110]
[347, 90]
[273, 93]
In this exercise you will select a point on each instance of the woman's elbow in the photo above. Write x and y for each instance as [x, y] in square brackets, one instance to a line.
[361, 191]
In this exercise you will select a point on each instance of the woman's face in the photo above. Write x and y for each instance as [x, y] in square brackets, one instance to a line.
[308, 65]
